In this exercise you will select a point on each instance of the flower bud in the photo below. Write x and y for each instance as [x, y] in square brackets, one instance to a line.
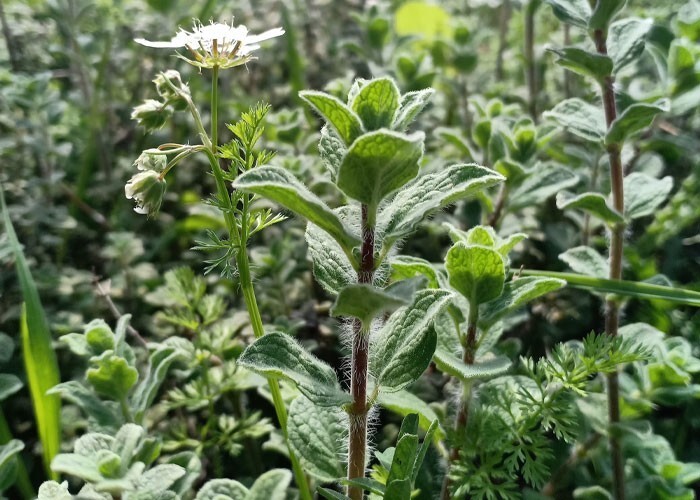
[147, 188]
[151, 115]
[147, 161]
[170, 87]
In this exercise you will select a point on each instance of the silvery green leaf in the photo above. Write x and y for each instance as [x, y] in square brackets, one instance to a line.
[481, 369]
[541, 183]
[376, 103]
[111, 375]
[404, 402]
[159, 363]
[516, 294]
[76, 465]
[331, 149]
[406, 267]
[51, 490]
[278, 355]
[378, 163]
[604, 12]
[592, 203]
[585, 260]
[364, 302]
[580, 118]
[412, 103]
[159, 478]
[583, 62]
[9, 384]
[644, 194]
[626, 40]
[338, 115]
[633, 119]
[317, 436]
[272, 485]
[282, 187]
[576, 12]
[105, 416]
[219, 489]
[331, 267]
[477, 272]
[429, 193]
[401, 351]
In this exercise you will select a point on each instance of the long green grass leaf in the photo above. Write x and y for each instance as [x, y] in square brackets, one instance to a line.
[625, 288]
[39, 357]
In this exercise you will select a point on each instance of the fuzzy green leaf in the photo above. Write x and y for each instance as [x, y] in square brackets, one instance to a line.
[592, 203]
[481, 369]
[379, 163]
[585, 63]
[364, 302]
[477, 272]
[271, 485]
[9, 384]
[405, 403]
[626, 40]
[402, 349]
[282, 187]
[220, 489]
[404, 457]
[644, 194]
[112, 376]
[429, 193]
[332, 494]
[604, 12]
[399, 489]
[332, 149]
[406, 266]
[412, 103]
[576, 12]
[331, 267]
[159, 363]
[580, 118]
[585, 260]
[516, 294]
[633, 119]
[96, 409]
[376, 103]
[317, 438]
[543, 182]
[278, 355]
[338, 115]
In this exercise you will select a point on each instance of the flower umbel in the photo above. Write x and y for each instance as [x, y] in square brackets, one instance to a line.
[216, 44]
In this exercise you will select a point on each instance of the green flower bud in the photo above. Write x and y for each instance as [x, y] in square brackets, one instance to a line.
[147, 161]
[170, 87]
[151, 115]
[147, 189]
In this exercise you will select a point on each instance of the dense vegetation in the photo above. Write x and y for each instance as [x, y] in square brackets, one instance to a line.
[395, 249]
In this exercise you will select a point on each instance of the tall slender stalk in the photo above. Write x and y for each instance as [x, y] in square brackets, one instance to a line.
[529, 10]
[616, 246]
[360, 350]
[241, 237]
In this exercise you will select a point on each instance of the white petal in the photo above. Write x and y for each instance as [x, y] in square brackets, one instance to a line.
[264, 36]
[157, 45]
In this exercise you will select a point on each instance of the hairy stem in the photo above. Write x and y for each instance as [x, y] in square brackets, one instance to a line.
[616, 246]
[360, 350]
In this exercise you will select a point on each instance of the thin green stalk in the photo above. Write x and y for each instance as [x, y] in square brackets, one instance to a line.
[622, 287]
[246, 281]
[612, 312]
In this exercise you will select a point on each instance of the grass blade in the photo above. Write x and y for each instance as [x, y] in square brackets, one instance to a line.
[40, 361]
[625, 288]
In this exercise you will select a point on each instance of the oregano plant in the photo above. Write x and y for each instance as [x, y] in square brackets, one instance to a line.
[375, 163]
